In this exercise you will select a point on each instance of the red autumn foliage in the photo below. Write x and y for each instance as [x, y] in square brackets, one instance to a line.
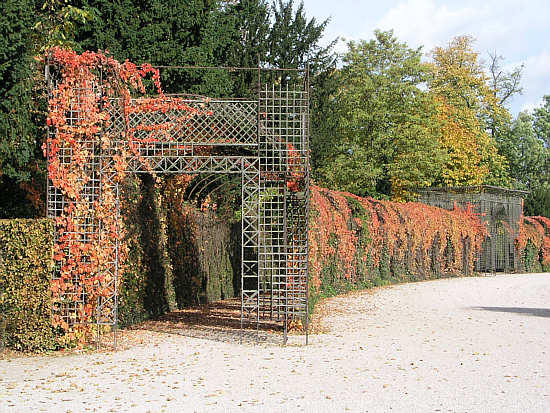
[535, 231]
[80, 111]
[295, 182]
[92, 90]
[352, 232]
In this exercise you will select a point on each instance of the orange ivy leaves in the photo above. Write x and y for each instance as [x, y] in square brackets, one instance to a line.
[90, 232]
[295, 182]
[347, 229]
[535, 230]
[331, 222]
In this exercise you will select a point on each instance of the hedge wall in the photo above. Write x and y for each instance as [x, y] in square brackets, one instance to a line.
[204, 256]
[26, 266]
[177, 258]
[178, 255]
[534, 244]
[362, 242]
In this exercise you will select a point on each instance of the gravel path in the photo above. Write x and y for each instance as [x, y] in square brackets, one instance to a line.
[457, 345]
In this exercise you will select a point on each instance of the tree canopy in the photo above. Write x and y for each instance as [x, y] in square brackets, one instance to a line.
[385, 121]
[400, 123]
[466, 107]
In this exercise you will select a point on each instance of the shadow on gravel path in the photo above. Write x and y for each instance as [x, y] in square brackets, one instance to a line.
[217, 321]
[537, 312]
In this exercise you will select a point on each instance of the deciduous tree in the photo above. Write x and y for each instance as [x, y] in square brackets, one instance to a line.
[467, 108]
[386, 138]
[542, 121]
[526, 153]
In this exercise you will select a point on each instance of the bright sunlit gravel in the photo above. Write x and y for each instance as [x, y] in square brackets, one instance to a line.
[455, 345]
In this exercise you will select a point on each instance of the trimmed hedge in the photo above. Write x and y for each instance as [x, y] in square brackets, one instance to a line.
[26, 264]
[178, 255]
[534, 244]
[203, 256]
[358, 243]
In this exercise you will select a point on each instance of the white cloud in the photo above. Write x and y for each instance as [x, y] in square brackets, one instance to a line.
[539, 66]
[425, 23]
[536, 82]
[497, 24]
[517, 30]
[530, 106]
[503, 26]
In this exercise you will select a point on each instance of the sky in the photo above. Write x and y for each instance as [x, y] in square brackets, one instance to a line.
[518, 30]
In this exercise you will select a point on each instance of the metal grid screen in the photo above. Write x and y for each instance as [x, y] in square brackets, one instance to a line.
[499, 208]
[268, 141]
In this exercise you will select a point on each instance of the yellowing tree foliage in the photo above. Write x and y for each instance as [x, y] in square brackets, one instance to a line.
[467, 106]
[462, 138]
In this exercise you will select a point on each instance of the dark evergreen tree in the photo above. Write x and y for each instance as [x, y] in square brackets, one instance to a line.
[27, 29]
[251, 20]
[16, 128]
[162, 32]
[294, 41]
[165, 32]
[17, 131]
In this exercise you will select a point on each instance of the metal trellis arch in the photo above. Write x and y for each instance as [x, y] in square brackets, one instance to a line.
[268, 138]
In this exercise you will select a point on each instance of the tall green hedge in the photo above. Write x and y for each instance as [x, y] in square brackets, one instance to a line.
[26, 264]
[205, 262]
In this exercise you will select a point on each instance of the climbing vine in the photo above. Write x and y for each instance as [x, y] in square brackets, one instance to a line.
[364, 238]
[534, 239]
[102, 117]
[81, 107]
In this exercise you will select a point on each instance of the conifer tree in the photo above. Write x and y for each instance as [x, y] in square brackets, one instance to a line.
[17, 130]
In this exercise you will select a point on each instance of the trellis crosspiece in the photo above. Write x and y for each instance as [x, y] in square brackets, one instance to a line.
[269, 137]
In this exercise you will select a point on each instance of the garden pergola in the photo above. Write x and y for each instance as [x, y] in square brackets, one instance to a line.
[264, 140]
